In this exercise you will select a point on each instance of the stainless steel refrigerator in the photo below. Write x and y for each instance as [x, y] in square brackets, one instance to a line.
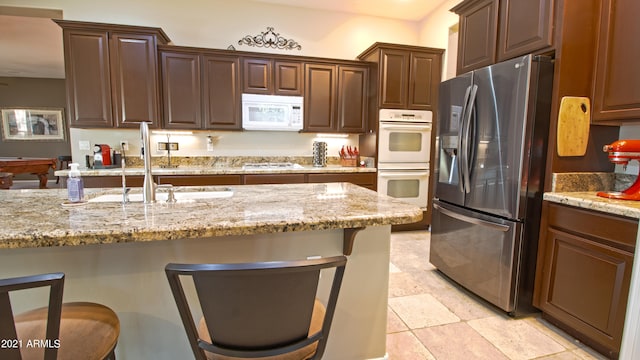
[493, 125]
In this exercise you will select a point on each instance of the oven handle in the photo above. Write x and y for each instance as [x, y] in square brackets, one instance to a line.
[471, 220]
[388, 126]
[391, 173]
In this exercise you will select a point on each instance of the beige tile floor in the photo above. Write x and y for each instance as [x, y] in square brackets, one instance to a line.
[429, 317]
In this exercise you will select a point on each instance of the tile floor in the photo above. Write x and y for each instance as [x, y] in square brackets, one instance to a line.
[429, 317]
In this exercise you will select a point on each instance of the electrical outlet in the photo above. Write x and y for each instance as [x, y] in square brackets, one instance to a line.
[125, 145]
[84, 145]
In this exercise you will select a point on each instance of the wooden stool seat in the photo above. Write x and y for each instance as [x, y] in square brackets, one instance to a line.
[87, 331]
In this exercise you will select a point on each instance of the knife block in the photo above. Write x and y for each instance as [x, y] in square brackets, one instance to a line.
[349, 162]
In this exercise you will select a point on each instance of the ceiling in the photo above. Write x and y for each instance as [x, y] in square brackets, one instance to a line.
[412, 10]
[32, 46]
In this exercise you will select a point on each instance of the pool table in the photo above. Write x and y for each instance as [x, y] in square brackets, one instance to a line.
[36, 166]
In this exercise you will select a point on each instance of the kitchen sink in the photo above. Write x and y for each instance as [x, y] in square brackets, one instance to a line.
[271, 166]
[183, 196]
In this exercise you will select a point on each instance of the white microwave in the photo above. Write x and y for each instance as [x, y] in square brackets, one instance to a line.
[272, 112]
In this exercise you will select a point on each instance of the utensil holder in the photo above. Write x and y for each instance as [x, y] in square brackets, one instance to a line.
[319, 153]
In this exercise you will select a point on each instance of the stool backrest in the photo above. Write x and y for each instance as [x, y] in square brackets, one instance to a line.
[256, 309]
[7, 326]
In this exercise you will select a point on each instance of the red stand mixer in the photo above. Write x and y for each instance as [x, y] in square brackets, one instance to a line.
[621, 152]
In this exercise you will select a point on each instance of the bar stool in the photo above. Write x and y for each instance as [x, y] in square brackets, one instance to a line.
[64, 161]
[6, 180]
[265, 310]
[78, 330]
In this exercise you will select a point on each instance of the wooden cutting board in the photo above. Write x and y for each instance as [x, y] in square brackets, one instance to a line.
[574, 118]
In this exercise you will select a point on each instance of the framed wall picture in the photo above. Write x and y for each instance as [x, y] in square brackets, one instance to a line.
[32, 124]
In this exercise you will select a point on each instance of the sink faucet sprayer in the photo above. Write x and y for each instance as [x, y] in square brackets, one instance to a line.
[148, 187]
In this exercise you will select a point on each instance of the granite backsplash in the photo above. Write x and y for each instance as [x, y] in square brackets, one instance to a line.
[596, 181]
[233, 161]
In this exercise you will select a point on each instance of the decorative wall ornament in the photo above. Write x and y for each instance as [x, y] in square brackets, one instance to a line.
[270, 39]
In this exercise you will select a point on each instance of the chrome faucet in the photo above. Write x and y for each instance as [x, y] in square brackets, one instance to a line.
[125, 189]
[148, 187]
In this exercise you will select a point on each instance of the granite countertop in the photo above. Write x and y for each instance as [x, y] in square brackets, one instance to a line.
[208, 170]
[589, 200]
[580, 189]
[37, 217]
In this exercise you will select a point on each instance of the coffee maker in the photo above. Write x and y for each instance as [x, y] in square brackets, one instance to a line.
[621, 152]
[101, 155]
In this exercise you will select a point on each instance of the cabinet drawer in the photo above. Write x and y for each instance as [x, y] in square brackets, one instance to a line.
[111, 181]
[612, 230]
[365, 180]
[200, 180]
[253, 179]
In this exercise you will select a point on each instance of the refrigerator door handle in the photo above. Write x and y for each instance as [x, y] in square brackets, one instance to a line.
[471, 220]
[461, 158]
[469, 137]
[470, 108]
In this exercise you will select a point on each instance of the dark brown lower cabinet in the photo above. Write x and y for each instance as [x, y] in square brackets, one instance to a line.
[111, 181]
[200, 180]
[583, 273]
[253, 179]
[367, 180]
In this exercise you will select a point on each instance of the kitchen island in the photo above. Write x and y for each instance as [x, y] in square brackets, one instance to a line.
[115, 254]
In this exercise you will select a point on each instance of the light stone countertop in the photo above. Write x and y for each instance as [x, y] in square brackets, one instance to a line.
[37, 218]
[208, 170]
[589, 200]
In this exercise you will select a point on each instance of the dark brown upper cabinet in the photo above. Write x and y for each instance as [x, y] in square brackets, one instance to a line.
[112, 74]
[394, 79]
[335, 98]
[319, 97]
[200, 89]
[424, 78]
[288, 78]
[617, 75]
[221, 92]
[272, 77]
[408, 76]
[353, 86]
[492, 30]
[478, 28]
[525, 27]
[181, 90]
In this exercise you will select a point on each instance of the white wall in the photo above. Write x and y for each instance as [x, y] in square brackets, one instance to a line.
[434, 32]
[629, 132]
[220, 23]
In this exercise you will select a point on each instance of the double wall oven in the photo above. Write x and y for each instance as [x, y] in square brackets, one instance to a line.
[403, 154]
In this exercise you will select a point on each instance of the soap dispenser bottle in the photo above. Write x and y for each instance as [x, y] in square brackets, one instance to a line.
[75, 185]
